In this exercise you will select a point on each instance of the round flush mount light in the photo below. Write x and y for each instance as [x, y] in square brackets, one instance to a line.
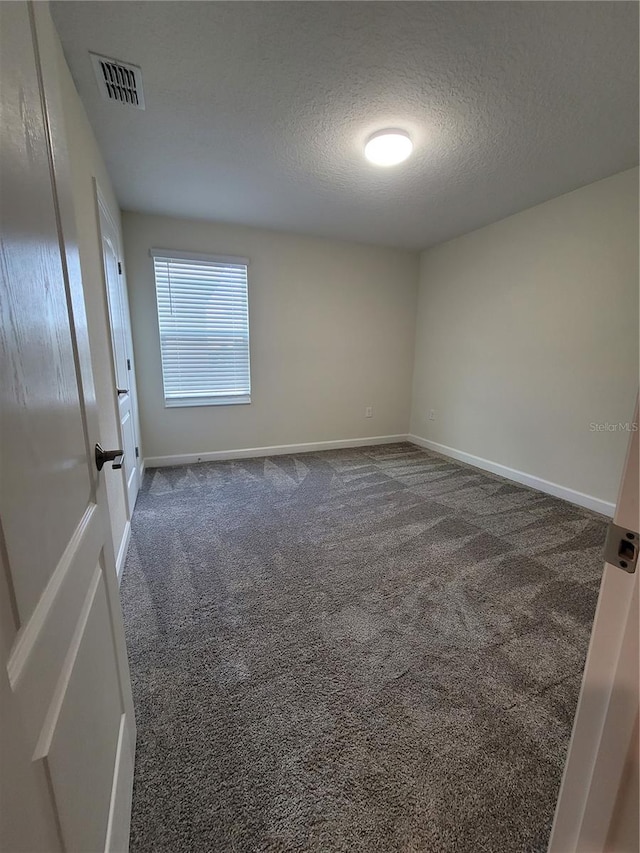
[388, 147]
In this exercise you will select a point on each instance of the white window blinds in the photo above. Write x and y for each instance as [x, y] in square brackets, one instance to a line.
[203, 315]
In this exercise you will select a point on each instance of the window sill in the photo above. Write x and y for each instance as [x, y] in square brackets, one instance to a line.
[183, 402]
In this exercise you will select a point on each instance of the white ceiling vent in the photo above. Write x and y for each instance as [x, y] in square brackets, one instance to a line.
[118, 81]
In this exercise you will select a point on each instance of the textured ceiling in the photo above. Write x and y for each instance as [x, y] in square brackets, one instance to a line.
[257, 112]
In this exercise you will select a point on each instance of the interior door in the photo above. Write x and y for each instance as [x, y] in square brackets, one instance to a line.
[68, 731]
[598, 806]
[122, 355]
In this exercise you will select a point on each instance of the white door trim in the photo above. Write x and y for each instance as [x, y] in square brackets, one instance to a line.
[122, 552]
[608, 704]
[109, 231]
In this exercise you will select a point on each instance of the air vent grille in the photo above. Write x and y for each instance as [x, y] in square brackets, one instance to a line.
[119, 81]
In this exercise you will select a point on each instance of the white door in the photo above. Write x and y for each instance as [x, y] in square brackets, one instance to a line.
[68, 733]
[125, 389]
[598, 807]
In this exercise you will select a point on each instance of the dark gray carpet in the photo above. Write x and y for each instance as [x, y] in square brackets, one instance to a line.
[371, 650]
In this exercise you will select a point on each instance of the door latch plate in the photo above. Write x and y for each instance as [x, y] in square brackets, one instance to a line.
[621, 548]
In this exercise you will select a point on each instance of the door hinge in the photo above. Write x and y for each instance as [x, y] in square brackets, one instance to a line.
[137, 452]
[119, 268]
[621, 548]
[128, 364]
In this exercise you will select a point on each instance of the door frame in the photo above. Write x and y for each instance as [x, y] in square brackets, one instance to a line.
[104, 214]
[605, 726]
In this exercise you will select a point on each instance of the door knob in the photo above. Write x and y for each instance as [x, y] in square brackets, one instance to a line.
[102, 456]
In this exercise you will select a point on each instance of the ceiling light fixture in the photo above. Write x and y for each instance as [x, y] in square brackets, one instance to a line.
[388, 147]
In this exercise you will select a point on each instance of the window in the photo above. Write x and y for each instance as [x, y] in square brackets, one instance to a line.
[203, 315]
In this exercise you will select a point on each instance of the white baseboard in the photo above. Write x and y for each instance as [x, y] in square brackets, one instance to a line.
[277, 450]
[122, 550]
[571, 495]
[558, 491]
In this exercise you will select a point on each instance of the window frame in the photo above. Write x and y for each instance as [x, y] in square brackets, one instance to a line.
[195, 400]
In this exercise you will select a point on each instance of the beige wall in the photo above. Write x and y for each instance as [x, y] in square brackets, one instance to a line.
[331, 326]
[86, 163]
[527, 334]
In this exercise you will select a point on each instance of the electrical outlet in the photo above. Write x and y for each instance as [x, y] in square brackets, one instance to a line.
[432, 414]
[368, 412]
